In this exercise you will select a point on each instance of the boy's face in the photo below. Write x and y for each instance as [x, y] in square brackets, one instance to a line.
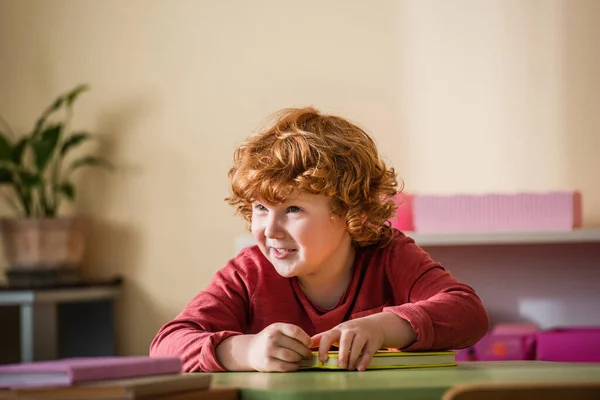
[299, 237]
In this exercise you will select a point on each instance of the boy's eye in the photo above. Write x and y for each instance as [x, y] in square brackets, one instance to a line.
[293, 209]
[260, 207]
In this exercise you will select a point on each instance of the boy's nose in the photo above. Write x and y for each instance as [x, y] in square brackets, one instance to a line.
[273, 229]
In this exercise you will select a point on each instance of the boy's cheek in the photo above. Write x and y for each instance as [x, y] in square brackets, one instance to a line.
[257, 231]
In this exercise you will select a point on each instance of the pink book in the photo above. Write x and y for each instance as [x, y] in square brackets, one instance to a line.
[577, 344]
[403, 220]
[69, 371]
[558, 210]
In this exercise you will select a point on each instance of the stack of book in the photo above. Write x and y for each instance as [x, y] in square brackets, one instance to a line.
[114, 378]
[388, 359]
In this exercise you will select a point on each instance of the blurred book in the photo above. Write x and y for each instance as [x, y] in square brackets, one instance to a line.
[155, 387]
[69, 371]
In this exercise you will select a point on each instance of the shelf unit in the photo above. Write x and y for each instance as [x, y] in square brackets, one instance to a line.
[588, 235]
[506, 238]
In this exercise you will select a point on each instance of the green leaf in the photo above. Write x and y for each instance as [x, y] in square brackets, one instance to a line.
[89, 161]
[29, 179]
[41, 120]
[55, 105]
[73, 94]
[5, 148]
[73, 141]
[67, 189]
[45, 145]
[17, 151]
[68, 98]
[6, 175]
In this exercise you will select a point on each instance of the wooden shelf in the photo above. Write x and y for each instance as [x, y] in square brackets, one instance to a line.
[588, 235]
[506, 238]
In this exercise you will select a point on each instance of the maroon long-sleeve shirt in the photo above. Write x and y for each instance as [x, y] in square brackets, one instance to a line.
[247, 295]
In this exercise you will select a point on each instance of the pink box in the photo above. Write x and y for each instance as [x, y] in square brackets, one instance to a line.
[506, 341]
[505, 347]
[403, 220]
[560, 210]
[569, 345]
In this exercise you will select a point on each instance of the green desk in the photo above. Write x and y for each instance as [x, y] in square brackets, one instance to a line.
[399, 384]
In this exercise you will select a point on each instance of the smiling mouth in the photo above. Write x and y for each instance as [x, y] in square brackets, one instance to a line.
[282, 250]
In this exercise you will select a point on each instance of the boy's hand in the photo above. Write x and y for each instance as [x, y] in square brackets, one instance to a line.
[358, 337]
[279, 347]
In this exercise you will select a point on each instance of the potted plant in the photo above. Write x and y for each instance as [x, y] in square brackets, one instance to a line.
[35, 178]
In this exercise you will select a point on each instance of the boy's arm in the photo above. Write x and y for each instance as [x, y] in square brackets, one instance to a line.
[443, 312]
[212, 316]
[397, 332]
[232, 353]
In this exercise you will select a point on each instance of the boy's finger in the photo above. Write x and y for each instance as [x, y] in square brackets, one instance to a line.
[282, 366]
[287, 342]
[286, 354]
[295, 332]
[358, 345]
[326, 342]
[346, 340]
[367, 355]
[315, 340]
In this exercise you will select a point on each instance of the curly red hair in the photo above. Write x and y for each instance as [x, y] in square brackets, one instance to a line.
[304, 150]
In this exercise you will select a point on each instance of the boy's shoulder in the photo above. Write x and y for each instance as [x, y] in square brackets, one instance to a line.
[397, 251]
[398, 242]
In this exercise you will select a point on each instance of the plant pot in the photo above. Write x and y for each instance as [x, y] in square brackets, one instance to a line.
[44, 246]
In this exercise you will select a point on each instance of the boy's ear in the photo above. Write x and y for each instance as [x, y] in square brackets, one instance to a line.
[333, 217]
[336, 219]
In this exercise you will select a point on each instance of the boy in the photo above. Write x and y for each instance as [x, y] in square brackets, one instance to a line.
[328, 268]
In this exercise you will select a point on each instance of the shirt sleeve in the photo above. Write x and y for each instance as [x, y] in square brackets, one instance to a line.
[444, 313]
[213, 315]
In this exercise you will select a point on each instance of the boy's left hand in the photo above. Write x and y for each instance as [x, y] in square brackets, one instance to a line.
[359, 337]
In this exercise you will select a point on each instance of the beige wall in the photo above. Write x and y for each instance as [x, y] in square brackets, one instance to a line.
[462, 96]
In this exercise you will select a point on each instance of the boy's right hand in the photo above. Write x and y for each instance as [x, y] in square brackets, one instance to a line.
[279, 348]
